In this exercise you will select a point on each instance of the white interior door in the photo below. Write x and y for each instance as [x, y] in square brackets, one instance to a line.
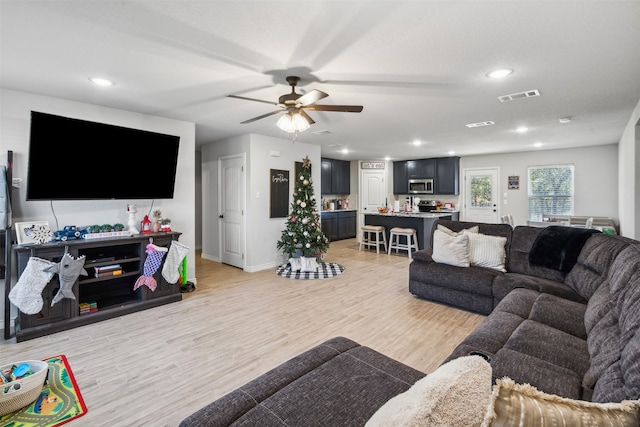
[481, 195]
[231, 190]
[372, 190]
[372, 194]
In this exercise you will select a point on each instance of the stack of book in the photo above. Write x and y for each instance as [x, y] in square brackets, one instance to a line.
[108, 270]
[88, 307]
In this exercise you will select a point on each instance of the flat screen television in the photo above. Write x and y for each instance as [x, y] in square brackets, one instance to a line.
[73, 159]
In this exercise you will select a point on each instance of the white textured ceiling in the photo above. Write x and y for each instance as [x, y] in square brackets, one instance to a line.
[417, 67]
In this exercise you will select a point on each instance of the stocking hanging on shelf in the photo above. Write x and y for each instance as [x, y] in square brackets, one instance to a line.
[151, 265]
[27, 293]
[171, 267]
[68, 269]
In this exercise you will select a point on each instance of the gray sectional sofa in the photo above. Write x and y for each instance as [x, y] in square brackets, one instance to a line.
[563, 317]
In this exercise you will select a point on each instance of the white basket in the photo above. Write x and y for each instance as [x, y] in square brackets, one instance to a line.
[22, 392]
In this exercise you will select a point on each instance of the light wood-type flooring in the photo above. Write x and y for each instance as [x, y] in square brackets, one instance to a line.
[155, 367]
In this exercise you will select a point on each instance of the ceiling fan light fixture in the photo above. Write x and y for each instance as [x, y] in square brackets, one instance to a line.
[293, 122]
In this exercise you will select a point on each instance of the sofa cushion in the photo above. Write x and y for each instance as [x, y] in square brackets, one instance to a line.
[518, 257]
[486, 250]
[551, 345]
[594, 262]
[614, 339]
[532, 337]
[475, 280]
[505, 283]
[503, 230]
[522, 404]
[558, 247]
[450, 232]
[455, 394]
[451, 249]
[353, 380]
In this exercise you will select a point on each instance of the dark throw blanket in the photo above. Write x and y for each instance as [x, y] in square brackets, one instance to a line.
[558, 247]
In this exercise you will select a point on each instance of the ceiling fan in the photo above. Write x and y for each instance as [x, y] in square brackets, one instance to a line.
[294, 105]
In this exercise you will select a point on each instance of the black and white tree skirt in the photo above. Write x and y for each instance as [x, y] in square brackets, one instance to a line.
[325, 270]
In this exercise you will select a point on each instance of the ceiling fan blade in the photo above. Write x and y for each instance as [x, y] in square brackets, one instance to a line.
[306, 117]
[252, 99]
[341, 108]
[262, 116]
[311, 97]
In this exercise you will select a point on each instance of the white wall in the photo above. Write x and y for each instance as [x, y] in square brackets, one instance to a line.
[596, 178]
[15, 119]
[629, 177]
[262, 232]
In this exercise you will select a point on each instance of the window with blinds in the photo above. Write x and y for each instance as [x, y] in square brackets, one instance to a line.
[550, 191]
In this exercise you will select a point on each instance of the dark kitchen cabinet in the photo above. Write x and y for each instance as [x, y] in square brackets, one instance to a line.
[338, 225]
[346, 225]
[335, 177]
[325, 176]
[421, 169]
[400, 180]
[329, 225]
[447, 180]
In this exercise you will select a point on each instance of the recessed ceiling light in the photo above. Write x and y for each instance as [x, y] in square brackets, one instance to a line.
[101, 82]
[387, 158]
[416, 142]
[498, 74]
[451, 152]
[538, 144]
[480, 124]
[564, 120]
[522, 129]
[345, 151]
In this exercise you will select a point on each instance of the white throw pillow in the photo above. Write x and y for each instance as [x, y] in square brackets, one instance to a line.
[487, 251]
[296, 264]
[309, 265]
[304, 264]
[456, 394]
[450, 232]
[452, 250]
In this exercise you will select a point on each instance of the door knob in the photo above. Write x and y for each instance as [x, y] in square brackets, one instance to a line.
[220, 216]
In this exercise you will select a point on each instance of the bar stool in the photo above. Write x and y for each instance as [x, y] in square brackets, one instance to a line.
[368, 232]
[411, 239]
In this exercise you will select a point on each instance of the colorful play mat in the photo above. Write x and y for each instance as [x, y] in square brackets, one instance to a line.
[59, 402]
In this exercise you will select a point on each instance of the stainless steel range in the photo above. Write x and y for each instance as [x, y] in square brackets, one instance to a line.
[427, 205]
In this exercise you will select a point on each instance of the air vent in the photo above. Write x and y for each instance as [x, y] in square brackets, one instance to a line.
[480, 124]
[322, 132]
[519, 95]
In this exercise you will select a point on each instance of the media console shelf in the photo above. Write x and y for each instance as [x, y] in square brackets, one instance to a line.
[113, 295]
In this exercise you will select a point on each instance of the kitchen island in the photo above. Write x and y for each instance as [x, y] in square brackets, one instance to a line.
[422, 222]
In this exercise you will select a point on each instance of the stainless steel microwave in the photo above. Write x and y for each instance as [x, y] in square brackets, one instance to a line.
[421, 186]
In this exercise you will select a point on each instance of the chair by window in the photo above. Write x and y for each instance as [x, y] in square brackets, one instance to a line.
[508, 219]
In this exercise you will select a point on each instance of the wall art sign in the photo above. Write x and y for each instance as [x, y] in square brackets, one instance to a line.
[372, 165]
[279, 194]
[513, 183]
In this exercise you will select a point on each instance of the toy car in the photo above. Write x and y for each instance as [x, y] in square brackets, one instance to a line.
[70, 232]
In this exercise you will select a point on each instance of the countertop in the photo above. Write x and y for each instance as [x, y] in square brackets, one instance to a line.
[337, 210]
[412, 214]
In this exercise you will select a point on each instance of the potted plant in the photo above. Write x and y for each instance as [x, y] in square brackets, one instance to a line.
[104, 228]
[94, 228]
[118, 227]
[157, 214]
[165, 225]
